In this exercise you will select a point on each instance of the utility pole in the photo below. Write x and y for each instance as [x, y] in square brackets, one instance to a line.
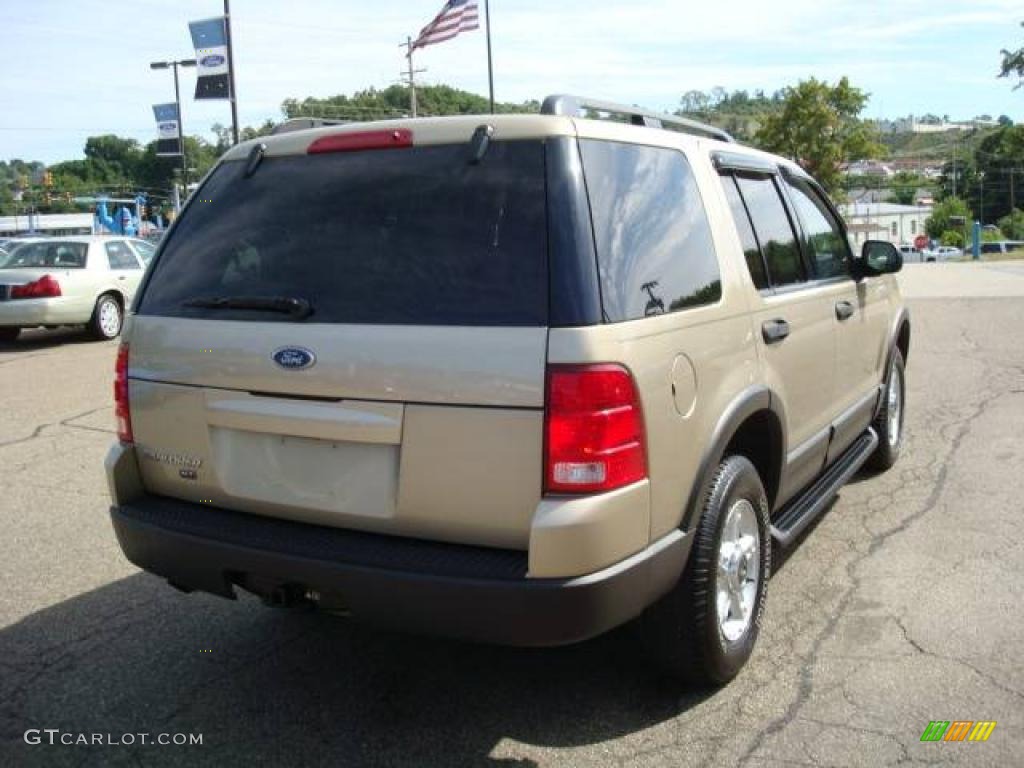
[231, 72]
[981, 188]
[409, 76]
[954, 166]
[177, 101]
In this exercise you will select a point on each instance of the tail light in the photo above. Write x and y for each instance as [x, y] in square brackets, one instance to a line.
[121, 413]
[45, 287]
[594, 430]
[354, 142]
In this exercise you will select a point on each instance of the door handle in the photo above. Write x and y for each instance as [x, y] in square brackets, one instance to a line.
[844, 310]
[775, 331]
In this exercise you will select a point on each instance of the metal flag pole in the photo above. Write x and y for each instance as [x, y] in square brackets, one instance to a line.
[231, 72]
[490, 63]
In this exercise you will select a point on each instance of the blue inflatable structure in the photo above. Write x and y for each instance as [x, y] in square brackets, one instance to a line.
[125, 221]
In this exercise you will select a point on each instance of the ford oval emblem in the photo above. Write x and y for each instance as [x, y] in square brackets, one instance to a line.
[214, 60]
[294, 358]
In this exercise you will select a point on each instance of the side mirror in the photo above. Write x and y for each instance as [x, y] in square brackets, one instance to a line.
[879, 257]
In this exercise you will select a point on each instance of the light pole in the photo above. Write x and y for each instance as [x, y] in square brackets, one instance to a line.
[177, 100]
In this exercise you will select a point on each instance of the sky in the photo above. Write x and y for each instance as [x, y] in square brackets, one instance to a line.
[70, 69]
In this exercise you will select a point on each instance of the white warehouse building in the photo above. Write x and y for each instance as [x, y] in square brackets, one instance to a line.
[899, 224]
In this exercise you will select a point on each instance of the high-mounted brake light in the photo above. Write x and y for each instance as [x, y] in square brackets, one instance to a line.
[594, 431]
[353, 142]
[46, 287]
[121, 412]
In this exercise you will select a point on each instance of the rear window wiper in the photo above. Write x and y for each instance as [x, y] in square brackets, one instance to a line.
[299, 309]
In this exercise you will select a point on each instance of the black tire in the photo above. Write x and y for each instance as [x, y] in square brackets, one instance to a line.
[9, 334]
[105, 303]
[888, 450]
[682, 631]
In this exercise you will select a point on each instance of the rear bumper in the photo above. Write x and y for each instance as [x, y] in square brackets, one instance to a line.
[33, 312]
[422, 586]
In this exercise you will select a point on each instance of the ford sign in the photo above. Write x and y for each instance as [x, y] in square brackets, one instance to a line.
[214, 60]
[294, 358]
[168, 126]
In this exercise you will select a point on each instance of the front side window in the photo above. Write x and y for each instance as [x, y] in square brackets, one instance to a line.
[827, 248]
[774, 230]
[654, 248]
[751, 250]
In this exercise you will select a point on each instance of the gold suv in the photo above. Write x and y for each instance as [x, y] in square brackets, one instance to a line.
[516, 378]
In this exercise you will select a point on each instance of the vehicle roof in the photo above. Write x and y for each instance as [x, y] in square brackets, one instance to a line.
[77, 238]
[459, 128]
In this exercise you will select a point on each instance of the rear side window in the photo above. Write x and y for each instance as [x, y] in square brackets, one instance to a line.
[827, 248]
[774, 230]
[417, 236]
[120, 256]
[654, 247]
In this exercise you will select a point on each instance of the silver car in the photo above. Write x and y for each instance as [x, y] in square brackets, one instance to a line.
[85, 280]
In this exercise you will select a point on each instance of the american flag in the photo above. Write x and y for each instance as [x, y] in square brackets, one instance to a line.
[456, 16]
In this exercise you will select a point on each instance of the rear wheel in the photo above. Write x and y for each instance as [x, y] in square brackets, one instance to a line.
[9, 334]
[889, 422]
[106, 318]
[705, 629]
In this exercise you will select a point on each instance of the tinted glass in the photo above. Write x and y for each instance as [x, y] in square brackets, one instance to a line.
[654, 247]
[414, 236]
[52, 253]
[774, 232]
[751, 250]
[120, 256]
[826, 246]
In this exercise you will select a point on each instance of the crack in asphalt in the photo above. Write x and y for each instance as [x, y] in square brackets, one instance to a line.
[878, 540]
[37, 432]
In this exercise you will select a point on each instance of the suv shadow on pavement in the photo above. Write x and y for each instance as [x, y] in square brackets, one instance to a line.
[46, 338]
[271, 687]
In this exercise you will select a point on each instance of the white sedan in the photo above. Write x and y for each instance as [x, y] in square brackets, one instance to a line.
[85, 280]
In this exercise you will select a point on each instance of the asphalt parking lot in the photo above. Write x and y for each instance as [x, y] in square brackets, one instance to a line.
[901, 607]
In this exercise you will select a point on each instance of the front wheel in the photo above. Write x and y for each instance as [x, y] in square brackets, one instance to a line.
[106, 318]
[705, 629]
[889, 422]
[9, 334]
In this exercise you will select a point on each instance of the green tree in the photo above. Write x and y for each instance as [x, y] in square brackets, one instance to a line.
[392, 102]
[953, 238]
[905, 187]
[938, 224]
[819, 127]
[1013, 64]
[1012, 224]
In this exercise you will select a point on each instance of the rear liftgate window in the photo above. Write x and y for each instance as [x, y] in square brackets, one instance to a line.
[416, 236]
[654, 247]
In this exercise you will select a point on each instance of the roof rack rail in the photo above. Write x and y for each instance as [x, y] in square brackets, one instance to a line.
[565, 104]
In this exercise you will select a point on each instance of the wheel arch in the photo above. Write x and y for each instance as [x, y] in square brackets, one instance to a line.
[754, 426]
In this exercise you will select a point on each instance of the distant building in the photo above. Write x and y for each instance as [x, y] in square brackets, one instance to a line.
[869, 168]
[48, 223]
[912, 124]
[898, 224]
